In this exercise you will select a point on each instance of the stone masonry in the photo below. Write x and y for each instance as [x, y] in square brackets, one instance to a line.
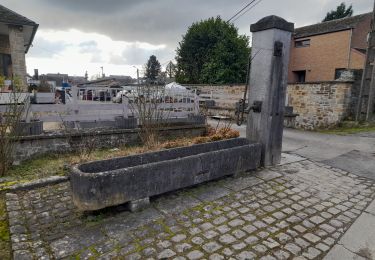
[17, 51]
[320, 105]
[4, 44]
[296, 210]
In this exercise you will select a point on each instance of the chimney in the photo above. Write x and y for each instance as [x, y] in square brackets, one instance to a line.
[36, 74]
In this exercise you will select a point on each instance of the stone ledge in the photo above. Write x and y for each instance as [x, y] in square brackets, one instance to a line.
[103, 132]
[38, 183]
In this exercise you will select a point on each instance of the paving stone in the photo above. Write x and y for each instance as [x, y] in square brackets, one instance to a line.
[227, 239]
[223, 229]
[311, 237]
[178, 238]
[311, 253]
[197, 240]
[279, 215]
[249, 217]
[260, 248]
[317, 219]
[300, 228]
[246, 255]
[236, 222]
[227, 252]
[251, 240]
[219, 220]
[196, 254]
[167, 253]
[283, 238]
[238, 233]
[180, 248]
[211, 247]
[322, 247]
[293, 248]
[336, 223]
[302, 243]
[238, 246]
[216, 257]
[281, 254]
[271, 243]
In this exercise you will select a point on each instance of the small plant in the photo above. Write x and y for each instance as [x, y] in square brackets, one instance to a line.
[83, 142]
[152, 116]
[10, 118]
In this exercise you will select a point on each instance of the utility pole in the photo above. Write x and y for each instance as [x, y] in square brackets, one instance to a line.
[137, 74]
[365, 107]
[102, 71]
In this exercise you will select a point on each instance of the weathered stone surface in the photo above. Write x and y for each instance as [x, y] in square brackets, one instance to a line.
[101, 184]
[319, 104]
[360, 238]
[340, 252]
[231, 226]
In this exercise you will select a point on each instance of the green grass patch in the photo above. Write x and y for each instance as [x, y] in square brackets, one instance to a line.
[4, 231]
[350, 128]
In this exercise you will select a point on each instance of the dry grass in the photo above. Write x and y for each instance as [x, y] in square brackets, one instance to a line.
[59, 164]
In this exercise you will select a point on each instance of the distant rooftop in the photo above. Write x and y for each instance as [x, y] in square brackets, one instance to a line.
[330, 26]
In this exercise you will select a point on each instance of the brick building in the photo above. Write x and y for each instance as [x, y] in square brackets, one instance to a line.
[16, 36]
[321, 51]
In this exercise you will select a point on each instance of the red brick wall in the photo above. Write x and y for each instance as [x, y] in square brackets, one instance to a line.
[326, 53]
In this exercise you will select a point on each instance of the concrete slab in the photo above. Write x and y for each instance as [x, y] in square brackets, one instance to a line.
[356, 162]
[290, 158]
[371, 208]
[267, 175]
[338, 252]
[241, 183]
[210, 192]
[360, 238]
[175, 203]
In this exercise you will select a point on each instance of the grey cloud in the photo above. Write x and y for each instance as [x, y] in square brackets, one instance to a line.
[165, 21]
[43, 48]
[88, 47]
[136, 55]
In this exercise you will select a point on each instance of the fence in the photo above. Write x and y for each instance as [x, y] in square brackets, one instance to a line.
[173, 104]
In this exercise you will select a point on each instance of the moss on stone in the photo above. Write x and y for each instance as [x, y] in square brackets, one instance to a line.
[4, 231]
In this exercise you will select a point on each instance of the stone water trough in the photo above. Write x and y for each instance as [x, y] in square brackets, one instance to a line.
[135, 178]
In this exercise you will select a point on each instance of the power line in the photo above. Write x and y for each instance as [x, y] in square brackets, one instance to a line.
[238, 17]
[246, 6]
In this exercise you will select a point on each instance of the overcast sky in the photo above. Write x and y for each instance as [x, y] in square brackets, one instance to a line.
[79, 35]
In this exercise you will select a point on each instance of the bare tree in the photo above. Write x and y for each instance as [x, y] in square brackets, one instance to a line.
[147, 104]
[11, 115]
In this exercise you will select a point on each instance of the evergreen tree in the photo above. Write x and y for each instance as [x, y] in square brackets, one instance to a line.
[340, 12]
[152, 69]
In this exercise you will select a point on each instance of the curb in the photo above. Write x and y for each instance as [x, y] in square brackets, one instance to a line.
[38, 183]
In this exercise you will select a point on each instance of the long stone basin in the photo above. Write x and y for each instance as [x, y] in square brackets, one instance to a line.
[105, 183]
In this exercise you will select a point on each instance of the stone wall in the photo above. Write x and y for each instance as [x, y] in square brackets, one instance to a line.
[4, 44]
[225, 97]
[31, 146]
[17, 51]
[320, 104]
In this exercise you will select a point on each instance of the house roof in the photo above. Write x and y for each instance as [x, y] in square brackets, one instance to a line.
[330, 26]
[10, 17]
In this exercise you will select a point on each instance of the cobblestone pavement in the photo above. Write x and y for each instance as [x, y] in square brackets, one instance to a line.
[297, 210]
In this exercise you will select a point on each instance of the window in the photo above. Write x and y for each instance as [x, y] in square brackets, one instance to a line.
[302, 43]
[338, 72]
[300, 76]
[5, 64]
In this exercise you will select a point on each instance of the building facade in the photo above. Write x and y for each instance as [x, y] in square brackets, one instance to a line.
[16, 36]
[320, 52]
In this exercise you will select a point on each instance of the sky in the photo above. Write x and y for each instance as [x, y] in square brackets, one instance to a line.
[75, 36]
